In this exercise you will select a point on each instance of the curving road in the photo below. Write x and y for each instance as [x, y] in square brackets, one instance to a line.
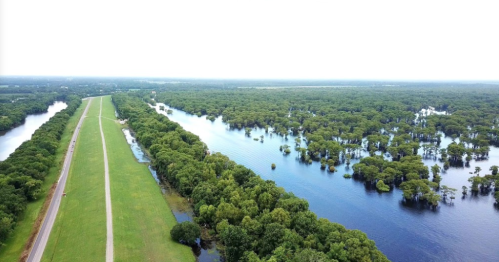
[109, 212]
[36, 252]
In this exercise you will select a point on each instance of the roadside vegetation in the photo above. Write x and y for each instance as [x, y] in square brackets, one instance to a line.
[28, 223]
[23, 173]
[254, 219]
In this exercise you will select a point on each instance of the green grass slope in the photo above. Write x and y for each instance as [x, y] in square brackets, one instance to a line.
[142, 218]
[79, 232]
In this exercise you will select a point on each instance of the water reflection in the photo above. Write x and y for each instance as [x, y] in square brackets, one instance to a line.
[137, 151]
[12, 139]
[463, 231]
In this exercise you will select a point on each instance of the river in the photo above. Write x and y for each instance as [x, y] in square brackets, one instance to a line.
[463, 231]
[12, 139]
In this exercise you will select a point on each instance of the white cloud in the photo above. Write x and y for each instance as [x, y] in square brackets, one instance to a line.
[251, 39]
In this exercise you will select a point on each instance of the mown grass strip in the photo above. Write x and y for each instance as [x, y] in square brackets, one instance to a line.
[29, 223]
[79, 233]
[141, 217]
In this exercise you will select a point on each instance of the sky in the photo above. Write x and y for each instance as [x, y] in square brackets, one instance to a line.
[355, 39]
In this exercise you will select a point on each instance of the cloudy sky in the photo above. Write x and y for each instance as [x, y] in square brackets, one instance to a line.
[412, 40]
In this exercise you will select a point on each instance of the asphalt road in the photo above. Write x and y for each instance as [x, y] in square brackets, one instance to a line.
[43, 235]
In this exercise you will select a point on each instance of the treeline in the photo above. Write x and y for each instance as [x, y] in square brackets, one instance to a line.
[255, 219]
[23, 172]
[14, 108]
[346, 115]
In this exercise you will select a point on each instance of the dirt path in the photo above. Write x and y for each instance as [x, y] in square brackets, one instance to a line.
[109, 211]
[36, 252]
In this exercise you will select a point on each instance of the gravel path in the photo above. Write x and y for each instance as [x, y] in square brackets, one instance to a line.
[109, 211]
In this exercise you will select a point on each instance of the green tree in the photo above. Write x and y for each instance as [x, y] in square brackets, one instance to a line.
[465, 190]
[432, 198]
[305, 223]
[236, 242]
[310, 255]
[185, 232]
[272, 238]
[435, 170]
[416, 189]
[477, 170]
[494, 169]
[247, 131]
[382, 187]
[448, 191]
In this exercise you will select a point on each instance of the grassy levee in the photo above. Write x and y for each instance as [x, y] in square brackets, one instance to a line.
[15, 244]
[142, 218]
[79, 232]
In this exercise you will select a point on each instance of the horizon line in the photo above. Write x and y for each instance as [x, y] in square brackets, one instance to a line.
[256, 78]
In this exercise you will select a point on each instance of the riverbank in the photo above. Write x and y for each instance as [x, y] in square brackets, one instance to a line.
[11, 139]
[31, 219]
[205, 249]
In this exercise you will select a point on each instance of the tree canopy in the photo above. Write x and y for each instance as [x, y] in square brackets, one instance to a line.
[252, 217]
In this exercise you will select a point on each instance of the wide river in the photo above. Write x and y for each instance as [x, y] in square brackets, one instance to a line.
[466, 230]
[12, 139]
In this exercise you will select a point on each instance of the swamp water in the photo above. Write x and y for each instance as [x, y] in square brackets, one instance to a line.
[463, 231]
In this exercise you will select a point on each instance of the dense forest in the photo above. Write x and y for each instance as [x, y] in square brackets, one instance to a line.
[23, 172]
[390, 123]
[15, 107]
[254, 219]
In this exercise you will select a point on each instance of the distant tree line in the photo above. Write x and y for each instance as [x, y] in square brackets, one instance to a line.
[255, 219]
[23, 172]
[337, 124]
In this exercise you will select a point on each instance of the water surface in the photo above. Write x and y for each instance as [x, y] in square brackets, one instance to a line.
[12, 139]
[463, 231]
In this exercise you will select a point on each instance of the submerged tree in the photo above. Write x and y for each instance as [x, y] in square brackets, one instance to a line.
[477, 170]
[446, 191]
[494, 169]
[382, 187]
[247, 131]
[432, 198]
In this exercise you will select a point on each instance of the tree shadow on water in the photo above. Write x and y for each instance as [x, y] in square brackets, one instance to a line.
[206, 251]
[417, 207]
